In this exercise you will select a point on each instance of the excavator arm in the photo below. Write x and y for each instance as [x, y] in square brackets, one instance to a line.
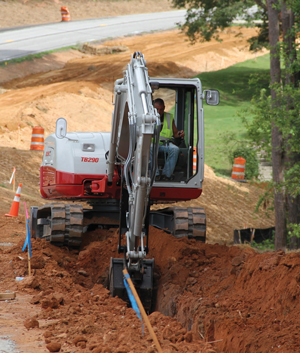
[135, 130]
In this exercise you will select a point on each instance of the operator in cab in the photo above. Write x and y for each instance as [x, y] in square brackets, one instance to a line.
[166, 145]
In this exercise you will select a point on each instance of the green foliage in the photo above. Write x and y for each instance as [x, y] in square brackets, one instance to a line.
[268, 244]
[294, 230]
[247, 152]
[206, 17]
[286, 116]
[266, 200]
[236, 148]
[262, 39]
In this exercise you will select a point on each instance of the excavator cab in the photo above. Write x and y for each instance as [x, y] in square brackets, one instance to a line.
[181, 103]
[183, 100]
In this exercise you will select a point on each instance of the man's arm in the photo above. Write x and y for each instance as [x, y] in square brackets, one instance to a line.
[177, 133]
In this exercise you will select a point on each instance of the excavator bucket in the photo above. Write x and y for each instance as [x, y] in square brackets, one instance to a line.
[144, 286]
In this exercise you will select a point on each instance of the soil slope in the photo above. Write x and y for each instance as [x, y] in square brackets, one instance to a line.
[81, 91]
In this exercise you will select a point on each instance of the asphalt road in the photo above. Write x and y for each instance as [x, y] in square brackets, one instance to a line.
[19, 42]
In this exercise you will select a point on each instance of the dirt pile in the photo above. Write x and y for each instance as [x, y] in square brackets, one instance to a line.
[77, 311]
[235, 298]
[241, 300]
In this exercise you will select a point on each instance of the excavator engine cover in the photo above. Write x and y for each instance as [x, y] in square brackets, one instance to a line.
[144, 287]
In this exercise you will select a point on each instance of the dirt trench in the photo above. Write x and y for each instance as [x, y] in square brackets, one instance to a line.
[211, 298]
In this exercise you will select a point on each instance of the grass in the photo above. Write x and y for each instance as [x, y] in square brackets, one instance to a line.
[235, 95]
[37, 55]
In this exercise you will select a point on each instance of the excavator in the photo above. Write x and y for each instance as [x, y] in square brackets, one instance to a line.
[114, 173]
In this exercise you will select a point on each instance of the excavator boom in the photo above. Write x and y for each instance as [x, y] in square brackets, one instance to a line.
[135, 121]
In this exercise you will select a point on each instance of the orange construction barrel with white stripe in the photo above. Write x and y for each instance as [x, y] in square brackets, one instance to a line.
[238, 170]
[194, 160]
[65, 14]
[37, 139]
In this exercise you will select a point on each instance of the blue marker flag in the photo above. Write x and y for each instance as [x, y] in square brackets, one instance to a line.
[27, 240]
[132, 300]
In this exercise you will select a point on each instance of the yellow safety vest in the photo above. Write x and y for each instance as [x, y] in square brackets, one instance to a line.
[167, 130]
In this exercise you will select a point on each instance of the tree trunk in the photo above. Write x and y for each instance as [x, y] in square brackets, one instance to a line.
[293, 203]
[289, 40]
[277, 150]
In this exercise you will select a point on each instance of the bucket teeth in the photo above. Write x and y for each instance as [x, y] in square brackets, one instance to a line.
[144, 287]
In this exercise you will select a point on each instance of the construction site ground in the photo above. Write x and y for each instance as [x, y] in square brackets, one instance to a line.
[213, 297]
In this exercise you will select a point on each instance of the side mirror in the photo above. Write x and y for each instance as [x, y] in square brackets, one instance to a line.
[154, 85]
[212, 96]
[61, 128]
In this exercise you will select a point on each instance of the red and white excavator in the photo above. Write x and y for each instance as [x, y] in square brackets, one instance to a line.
[112, 173]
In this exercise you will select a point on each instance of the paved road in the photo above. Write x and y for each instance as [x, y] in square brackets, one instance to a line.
[16, 43]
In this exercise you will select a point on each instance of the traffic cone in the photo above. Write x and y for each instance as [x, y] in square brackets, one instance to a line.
[14, 210]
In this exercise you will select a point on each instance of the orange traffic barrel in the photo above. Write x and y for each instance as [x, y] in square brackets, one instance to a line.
[194, 160]
[238, 170]
[65, 14]
[37, 139]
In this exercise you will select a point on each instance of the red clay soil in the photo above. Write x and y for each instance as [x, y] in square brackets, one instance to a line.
[77, 312]
[216, 298]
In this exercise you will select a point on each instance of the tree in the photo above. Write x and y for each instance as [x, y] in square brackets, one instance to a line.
[291, 79]
[206, 17]
[203, 23]
[277, 150]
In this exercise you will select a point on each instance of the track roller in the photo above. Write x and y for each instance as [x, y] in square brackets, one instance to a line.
[190, 222]
[181, 222]
[61, 224]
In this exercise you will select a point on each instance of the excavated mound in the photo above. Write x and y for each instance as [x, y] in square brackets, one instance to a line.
[234, 298]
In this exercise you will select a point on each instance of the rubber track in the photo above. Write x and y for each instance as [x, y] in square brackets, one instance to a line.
[190, 222]
[65, 224]
[74, 221]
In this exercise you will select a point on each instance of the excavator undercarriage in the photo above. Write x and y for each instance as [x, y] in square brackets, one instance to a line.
[65, 224]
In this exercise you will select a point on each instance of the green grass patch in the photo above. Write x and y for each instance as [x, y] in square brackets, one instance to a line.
[235, 96]
[37, 55]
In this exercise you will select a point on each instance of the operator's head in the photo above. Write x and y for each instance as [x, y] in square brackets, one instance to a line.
[159, 104]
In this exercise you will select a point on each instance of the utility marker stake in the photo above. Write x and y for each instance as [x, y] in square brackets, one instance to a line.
[143, 312]
[14, 182]
[27, 240]
[13, 179]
